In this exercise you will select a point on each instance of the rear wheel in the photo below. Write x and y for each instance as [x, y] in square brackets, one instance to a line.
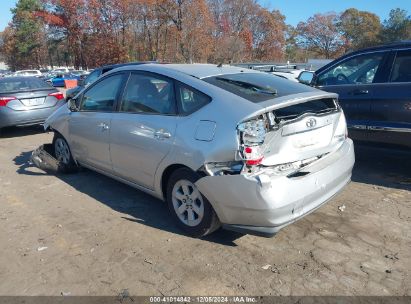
[63, 154]
[191, 210]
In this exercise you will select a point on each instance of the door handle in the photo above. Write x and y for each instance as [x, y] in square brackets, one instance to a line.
[162, 134]
[103, 126]
[360, 92]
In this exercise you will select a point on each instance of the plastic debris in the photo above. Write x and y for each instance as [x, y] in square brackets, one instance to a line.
[65, 293]
[41, 248]
[266, 267]
[341, 208]
[148, 261]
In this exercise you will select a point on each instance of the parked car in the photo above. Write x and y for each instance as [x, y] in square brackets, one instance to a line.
[222, 145]
[29, 73]
[58, 80]
[62, 70]
[374, 88]
[94, 75]
[27, 101]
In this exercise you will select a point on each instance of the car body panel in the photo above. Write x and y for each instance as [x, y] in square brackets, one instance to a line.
[89, 135]
[138, 144]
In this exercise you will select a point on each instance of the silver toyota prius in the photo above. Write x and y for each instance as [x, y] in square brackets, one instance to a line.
[223, 146]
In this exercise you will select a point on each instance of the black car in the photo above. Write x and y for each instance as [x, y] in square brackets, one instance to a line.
[374, 87]
[96, 73]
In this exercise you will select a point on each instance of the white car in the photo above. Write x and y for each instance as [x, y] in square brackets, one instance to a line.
[31, 73]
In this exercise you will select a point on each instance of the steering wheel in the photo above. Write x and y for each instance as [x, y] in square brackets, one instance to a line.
[342, 77]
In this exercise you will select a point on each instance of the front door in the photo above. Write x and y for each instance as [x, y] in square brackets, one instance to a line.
[90, 127]
[142, 132]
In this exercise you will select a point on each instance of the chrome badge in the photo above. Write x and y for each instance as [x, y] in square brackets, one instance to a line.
[311, 123]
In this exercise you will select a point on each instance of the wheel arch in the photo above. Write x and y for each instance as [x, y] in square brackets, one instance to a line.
[167, 173]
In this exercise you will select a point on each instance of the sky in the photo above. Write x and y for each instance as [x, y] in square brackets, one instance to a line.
[294, 10]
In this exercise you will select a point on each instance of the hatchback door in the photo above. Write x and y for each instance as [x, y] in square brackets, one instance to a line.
[89, 128]
[391, 107]
[142, 132]
[354, 81]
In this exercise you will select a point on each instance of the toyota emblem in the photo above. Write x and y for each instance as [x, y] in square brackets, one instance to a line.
[311, 123]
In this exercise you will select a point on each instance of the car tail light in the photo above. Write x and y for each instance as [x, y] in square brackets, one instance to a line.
[58, 95]
[252, 136]
[253, 155]
[341, 132]
[5, 100]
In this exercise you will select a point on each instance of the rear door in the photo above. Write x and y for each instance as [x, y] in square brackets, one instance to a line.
[354, 80]
[90, 127]
[391, 107]
[142, 132]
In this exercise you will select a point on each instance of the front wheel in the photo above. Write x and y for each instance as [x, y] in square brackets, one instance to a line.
[63, 154]
[191, 210]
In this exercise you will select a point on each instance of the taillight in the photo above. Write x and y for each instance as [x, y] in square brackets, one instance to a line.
[341, 132]
[58, 95]
[252, 136]
[253, 155]
[5, 100]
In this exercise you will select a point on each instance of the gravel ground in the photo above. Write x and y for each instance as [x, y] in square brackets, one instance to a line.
[86, 234]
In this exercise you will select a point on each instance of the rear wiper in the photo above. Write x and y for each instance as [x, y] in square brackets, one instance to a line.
[251, 86]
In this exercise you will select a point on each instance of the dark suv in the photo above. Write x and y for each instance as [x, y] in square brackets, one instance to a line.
[96, 73]
[374, 87]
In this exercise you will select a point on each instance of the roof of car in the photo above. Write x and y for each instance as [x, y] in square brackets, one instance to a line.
[118, 65]
[200, 71]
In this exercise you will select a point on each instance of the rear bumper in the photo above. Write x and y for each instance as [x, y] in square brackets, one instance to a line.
[264, 204]
[10, 117]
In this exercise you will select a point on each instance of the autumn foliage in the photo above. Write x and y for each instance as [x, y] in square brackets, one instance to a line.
[90, 33]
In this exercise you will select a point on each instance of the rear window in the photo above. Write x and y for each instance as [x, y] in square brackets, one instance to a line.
[22, 84]
[257, 87]
[318, 106]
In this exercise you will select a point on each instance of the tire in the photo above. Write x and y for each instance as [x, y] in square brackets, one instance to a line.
[197, 217]
[62, 153]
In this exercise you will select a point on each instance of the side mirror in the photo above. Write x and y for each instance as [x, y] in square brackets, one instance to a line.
[72, 105]
[306, 77]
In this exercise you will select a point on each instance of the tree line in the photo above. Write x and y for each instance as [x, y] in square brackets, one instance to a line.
[90, 33]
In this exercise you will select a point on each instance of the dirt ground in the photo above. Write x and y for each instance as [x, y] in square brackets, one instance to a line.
[86, 234]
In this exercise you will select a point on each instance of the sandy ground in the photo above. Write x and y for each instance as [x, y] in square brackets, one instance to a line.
[86, 234]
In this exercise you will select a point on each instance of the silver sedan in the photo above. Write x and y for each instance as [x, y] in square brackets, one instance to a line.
[223, 146]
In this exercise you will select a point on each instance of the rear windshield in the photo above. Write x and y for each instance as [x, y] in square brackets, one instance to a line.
[257, 87]
[22, 84]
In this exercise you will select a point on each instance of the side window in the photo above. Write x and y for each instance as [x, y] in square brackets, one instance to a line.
[101, 97]
[190, 100]
[401, 71]
[146, 93]
[358, 70]
[92, 77]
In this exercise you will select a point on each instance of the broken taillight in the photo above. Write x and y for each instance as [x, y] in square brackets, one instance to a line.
[5, 100]
[252, 136]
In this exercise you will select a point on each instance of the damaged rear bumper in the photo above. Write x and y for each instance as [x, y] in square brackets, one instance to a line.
[264, 204]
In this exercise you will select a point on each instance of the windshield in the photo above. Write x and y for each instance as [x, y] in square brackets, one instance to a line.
[22, 84]
[257, 87]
